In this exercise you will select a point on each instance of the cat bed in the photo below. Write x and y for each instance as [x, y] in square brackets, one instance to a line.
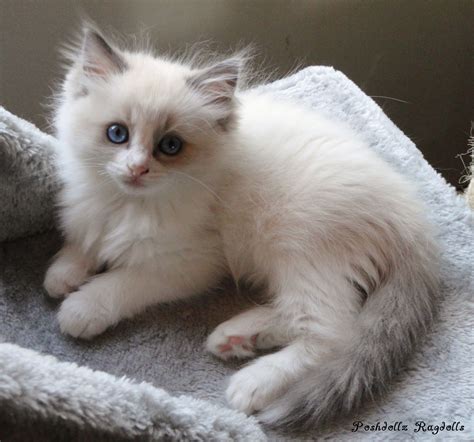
[53, 387]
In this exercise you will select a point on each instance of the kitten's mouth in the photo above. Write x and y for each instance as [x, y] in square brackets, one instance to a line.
[133, 185]
[134, 182]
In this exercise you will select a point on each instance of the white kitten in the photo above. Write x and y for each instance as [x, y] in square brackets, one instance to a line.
[173, 179]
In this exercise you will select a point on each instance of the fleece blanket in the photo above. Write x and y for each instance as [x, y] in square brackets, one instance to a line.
[87, 394]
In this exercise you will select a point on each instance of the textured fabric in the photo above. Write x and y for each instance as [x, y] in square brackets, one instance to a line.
[164, 346]
[27, 180]
[98, 402]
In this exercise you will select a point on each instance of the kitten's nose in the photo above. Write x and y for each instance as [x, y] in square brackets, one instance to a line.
[138, 170]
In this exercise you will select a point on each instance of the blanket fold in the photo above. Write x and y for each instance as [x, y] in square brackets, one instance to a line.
[28, 182]
[78, 400]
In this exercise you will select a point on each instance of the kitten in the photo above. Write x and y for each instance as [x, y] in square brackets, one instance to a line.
[174, 178]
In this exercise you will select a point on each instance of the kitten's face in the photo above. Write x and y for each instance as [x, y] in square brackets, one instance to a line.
[141, 123]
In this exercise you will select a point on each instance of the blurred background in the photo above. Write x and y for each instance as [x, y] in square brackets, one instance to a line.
[415, 57]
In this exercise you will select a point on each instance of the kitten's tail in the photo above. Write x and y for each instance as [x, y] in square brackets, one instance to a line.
[386, 331]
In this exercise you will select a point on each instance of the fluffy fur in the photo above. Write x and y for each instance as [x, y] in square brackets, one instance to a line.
[267, 191]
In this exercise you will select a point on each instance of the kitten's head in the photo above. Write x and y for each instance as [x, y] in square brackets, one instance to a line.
[138, 122]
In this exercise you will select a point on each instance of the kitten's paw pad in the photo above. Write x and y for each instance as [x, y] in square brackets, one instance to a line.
[252, 389]
[81, 316]
[233, 346]
[62, 279]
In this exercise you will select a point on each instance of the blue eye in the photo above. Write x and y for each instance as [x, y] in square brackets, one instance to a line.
[117, 133]
[170, 145]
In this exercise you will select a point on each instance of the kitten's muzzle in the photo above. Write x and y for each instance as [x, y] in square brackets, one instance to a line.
[138, 170]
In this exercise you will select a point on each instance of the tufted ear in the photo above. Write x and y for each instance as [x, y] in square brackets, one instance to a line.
[99, 59]
[218, 82]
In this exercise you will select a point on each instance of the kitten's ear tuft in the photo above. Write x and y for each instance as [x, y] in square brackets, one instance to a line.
[218, 82]
[99, 59]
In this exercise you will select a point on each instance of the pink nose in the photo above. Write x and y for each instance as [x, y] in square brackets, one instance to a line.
[138, 170]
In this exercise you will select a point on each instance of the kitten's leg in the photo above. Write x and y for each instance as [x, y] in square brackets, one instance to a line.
[123, 292]
[241, 335]
[317, 306]
[68, 272]
[258, 384]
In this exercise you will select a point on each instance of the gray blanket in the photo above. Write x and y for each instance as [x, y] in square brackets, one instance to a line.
[164, 346]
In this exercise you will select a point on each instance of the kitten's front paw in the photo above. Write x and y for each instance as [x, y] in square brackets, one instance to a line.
[64, 277]
[254, 387]
[82, 316]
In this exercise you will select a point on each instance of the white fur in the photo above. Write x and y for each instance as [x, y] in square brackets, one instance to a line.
[281, 196]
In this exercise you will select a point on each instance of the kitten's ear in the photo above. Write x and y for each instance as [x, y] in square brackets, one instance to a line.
[99, 59]
[218, 82]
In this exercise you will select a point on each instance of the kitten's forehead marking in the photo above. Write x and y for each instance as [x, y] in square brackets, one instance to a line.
[149, 128]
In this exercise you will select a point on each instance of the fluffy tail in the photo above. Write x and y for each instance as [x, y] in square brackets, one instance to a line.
[391, 321]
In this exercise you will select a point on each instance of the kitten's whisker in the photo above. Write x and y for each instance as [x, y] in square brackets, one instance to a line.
[390, 98]
[205, 186]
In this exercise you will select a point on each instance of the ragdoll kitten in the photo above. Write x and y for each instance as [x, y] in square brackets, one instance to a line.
[174, 178]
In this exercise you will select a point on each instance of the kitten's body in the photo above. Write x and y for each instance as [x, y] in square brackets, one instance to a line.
[267, 191]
